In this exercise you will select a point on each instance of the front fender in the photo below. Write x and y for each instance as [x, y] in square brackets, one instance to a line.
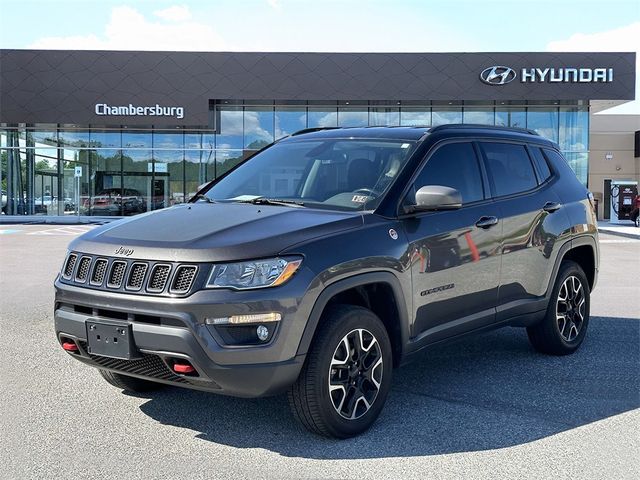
[348, 283]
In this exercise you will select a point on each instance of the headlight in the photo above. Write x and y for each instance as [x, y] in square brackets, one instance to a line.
[253, 274]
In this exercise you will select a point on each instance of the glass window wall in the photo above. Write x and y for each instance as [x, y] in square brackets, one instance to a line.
[415, 117]
[384, 116]
[574, 129]
[258, 127]
[511, 117]
[478, 116]
[126, 171]
[322, 117]
[353, 117]
[443, 116]
[543, 121]
[289, 120]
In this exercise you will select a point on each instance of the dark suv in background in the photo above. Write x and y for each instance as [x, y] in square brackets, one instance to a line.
[331, 257]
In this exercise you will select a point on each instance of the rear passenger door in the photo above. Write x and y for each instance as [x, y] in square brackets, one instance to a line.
[522, 186]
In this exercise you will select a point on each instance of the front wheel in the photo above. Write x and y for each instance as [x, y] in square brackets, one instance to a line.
[347, 374]
[565, 324]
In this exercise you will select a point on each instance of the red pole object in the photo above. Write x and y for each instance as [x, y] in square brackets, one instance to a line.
[475, 255]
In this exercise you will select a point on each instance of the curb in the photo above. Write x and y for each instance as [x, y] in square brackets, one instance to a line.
[54, 220]
[619, 234]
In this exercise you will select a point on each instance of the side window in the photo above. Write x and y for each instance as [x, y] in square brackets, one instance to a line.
[453, 165]
[510, 168]
[541, 164]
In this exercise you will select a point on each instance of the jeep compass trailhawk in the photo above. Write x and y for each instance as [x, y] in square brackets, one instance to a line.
[330, 257]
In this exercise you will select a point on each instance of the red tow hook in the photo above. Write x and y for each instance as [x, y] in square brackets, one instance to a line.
[69, 346]
[183, 368]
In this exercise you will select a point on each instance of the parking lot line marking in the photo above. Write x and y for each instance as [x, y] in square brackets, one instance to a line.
[71, 230]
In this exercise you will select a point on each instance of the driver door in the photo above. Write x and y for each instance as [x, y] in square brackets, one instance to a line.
[454, 254]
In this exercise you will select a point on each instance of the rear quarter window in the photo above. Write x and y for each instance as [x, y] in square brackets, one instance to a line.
[541, 164]
[510, 168]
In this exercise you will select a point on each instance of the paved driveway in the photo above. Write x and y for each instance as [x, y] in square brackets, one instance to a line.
[484, 407]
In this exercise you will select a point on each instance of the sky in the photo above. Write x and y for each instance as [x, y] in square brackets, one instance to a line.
[326, 26]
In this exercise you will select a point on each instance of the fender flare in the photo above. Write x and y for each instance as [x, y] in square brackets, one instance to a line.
[348, 283]
[583, 240]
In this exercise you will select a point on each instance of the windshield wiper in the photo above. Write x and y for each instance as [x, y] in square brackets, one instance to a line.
[202, 196]
[273, 201]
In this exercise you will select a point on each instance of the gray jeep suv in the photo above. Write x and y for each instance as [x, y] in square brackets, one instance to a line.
[331, 257]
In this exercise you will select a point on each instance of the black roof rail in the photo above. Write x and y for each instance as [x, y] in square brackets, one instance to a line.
[490, 127]
[311, 129]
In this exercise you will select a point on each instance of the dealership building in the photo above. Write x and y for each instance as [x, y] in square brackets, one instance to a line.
[104, 132]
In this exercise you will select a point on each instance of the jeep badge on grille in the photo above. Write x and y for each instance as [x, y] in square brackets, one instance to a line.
[127, 252]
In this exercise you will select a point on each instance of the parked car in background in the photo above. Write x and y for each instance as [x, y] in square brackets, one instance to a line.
[635, 214]
[4, 201]
[44, 204]
[117, 201]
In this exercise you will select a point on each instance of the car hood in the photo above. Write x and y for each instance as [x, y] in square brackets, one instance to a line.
[204, 232]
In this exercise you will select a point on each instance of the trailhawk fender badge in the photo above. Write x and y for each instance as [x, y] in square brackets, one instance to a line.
[441, 288]
[393, 234]
[127, 252]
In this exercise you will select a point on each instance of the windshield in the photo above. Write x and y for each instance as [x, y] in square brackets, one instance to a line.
[346, 174]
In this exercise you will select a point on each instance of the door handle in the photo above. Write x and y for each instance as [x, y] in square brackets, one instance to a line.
[551, 207]
[486, 222]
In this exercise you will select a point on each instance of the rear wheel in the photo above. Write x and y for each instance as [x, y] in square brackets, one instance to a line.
[565, 324]
[129, 384]
[347, 374]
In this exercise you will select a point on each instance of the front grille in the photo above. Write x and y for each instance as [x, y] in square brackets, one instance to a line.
[70, 265]
[117, 274]
[136, 276]
[159, 277]
[183, 278]
[83, 269]
[130, 275]
[99, 271]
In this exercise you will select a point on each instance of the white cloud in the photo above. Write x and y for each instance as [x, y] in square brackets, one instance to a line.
[128, 29]
[623, 39]
[176, 13]
[275, 4]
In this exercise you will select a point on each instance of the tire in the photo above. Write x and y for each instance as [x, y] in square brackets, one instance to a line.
[355, 401]
[127, 383]
[565, 324]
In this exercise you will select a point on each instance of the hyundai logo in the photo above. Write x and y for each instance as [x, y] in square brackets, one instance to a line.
[498, 75]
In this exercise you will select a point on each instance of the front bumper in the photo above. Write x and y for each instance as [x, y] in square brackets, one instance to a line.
[166, 329]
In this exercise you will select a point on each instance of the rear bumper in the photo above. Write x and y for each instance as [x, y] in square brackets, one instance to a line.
[243, 371]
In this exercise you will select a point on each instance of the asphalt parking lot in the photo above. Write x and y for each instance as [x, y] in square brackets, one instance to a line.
[484, 407]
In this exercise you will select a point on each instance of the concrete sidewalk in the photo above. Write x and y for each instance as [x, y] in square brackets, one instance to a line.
[628, 230]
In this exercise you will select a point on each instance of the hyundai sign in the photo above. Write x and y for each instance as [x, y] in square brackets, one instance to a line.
[501, 75]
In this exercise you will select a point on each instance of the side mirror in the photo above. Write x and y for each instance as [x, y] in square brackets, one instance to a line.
[437, 197]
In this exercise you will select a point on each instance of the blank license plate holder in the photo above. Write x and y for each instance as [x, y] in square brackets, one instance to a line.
[114, 340]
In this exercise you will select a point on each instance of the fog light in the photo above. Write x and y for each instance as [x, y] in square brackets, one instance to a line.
[262, 332]
[240, 319]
